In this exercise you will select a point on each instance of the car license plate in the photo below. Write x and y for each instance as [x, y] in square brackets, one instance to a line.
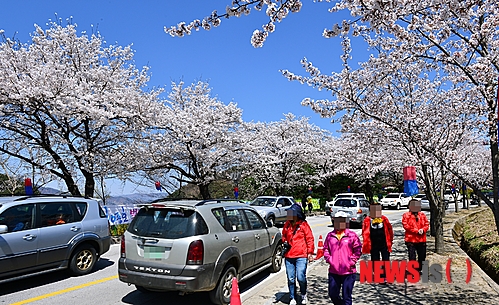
[346, 211]
[154, 252]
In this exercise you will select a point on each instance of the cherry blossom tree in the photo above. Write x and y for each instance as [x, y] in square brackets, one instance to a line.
[68, 103]
[458, 40]
[454, 42]
[193, 138]
[279, 153]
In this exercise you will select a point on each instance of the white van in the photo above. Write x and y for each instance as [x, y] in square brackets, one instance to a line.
[329, 204]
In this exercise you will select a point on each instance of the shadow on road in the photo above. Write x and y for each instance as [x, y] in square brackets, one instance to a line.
[47, 278]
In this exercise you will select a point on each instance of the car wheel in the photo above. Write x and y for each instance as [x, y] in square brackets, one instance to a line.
[276, 259]
[272, 220]
[398, 206]
[83, 260]
[221, 294]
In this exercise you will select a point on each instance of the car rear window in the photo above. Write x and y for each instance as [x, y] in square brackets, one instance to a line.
[344, 196]
[345, 203]
[264, 202]
[167, 223]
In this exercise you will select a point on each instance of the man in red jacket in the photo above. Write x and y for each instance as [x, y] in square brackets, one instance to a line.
[298, 234]
[416, 225]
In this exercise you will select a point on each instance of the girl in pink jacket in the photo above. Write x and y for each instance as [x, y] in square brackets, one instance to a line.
[342, 250]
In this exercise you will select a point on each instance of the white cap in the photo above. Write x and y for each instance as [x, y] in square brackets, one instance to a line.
[341, 214]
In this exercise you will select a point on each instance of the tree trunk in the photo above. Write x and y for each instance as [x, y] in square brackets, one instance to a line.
[439, 228]
[89, 184]
[495, 173]
[432, 219]
[437, 210]
[72, 187]
[205, 192]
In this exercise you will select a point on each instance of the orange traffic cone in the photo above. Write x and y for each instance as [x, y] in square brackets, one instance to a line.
[235, 297]
[320, 247]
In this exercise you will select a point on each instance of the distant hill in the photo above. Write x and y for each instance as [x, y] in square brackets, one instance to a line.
[134, 198]
[127, 199]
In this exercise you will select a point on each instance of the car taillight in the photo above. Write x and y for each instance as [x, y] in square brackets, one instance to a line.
[195, 253]
[123, 253]
[359, 211]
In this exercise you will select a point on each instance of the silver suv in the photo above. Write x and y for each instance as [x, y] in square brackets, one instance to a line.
[42, 234]
[192, 245]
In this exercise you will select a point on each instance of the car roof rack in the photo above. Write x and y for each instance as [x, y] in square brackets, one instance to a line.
[173, 199]
[25, 197]
[198, 202]
[206, 201]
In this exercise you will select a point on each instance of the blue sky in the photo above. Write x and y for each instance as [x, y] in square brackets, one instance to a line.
[223, 56]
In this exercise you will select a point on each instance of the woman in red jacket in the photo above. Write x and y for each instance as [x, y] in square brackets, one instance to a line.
[377, 234]
[416, 225]
[297, 233]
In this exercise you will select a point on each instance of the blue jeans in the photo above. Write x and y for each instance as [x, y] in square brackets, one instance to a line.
[296, 268]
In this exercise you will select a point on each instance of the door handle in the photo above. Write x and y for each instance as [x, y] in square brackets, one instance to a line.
[75, 229]
[257, 236]
[29, 237]
[235, 239]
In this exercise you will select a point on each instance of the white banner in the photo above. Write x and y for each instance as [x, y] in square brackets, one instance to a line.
[120, 214]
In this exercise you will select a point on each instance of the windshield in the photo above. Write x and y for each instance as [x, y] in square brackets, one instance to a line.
[263, 202]
[167, 223]
[392, 196]
[348, 203]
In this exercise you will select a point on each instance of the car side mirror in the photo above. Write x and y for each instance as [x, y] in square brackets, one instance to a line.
[279, 205]
[3, 229]
[269, 224]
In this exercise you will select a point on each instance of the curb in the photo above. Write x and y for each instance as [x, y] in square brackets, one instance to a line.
[452, 231]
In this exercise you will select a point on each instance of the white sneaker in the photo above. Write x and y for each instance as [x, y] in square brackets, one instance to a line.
[292, 302]
[304, 299]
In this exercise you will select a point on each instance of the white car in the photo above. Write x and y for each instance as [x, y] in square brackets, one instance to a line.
[273, 208]
[395, 200]
[330, 204]
[419, 197]
[425, 204]
[451, 197]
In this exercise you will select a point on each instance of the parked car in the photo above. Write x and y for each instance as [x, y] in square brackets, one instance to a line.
[192, 246]
[451, 197]
[330, 204]
[395, 200]
[418, 197]
[42, 234]
[425, 204]
[356, 208]
[273, 208]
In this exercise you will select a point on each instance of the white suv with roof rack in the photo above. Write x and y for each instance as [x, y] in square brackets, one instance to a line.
[395, 200]
[197, 245]
[330, 204]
